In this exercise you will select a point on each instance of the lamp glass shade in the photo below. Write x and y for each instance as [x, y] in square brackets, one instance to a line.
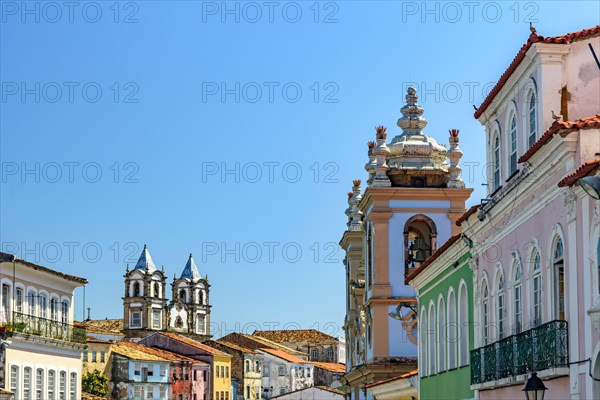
[591, 185]
[534, 388]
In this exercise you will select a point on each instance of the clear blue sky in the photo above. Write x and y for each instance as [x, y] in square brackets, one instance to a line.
[162, 130]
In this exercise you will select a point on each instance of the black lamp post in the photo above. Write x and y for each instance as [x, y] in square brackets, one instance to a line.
[534, 388]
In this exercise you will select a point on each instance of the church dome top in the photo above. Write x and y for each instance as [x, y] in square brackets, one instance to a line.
[191, 270]
[413, 149]
[145, 262]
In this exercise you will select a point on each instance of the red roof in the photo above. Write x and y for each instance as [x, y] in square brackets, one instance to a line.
[592, 122]
[283, 355]
[582, 171]
[404, 376]
[533, 38]
[194, 343]
[432, 257]
[466, 215]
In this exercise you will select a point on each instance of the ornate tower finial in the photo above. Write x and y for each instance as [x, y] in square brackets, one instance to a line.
[357, 215]
[412, 121]
[348, 211]
[371, 165]
[381, 152]
[455, 154]
[532, 28]
[127, 268]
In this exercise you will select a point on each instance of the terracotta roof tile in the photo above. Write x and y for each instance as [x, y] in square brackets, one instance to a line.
[592, 122]
[284, 356]
[295, 335]
[396, 378]
[263, 342]
[466, 215]
[194, 343]
[233, 346]
[583, 170]
[104, 325]
[6, 257]
[333, 367]
[533, 38]
[135, 349]
[125, 348]
[432, 257]
[330, 389]
[92, 339]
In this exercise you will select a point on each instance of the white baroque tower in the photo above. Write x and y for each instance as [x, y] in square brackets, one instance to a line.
[144, 303]
[189, 310]
[413, 198]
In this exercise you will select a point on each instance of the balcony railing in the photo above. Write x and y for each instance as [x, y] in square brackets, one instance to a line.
[24, 323]
[537, 349]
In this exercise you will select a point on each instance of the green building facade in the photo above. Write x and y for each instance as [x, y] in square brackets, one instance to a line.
[444, 284]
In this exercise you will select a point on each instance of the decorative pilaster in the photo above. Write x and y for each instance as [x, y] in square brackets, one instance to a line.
[454, 155]
[381, 153]
[357, 224]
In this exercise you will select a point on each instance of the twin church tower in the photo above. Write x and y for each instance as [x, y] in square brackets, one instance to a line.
[145, 307]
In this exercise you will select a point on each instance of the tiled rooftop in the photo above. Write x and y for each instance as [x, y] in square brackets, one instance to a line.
[582, 171]
[104, 325]
[192, 342]
[284, 355]
[295, 335]
[332, 367]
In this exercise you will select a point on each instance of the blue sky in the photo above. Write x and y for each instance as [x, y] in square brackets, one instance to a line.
[128, 113]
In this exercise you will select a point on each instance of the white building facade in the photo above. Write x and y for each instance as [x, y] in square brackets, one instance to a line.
[43, 358]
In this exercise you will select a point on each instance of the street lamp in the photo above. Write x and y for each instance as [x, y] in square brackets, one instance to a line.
[591, 185]
[534, 388]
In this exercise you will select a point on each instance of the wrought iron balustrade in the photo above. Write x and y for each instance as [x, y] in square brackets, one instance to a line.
[537, 349]
[32, 325]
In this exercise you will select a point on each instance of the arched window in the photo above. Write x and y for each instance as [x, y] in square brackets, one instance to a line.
[31, 302]
[451, 330]
[532, 119]
[424, 342]
[64, 312]
[247, 365]
[183, 295]
[441, 335]
[199, 323]
[500, 306]
[513, 143]
[136, 289]
[156, 289]
[485, 314]
[43, 305]
[537, 289]
[496, 161]
[517, 304]
[200, 297]
[54, 309]
[463, 328]
[14, 380]
[431, 340]
[559, 280]
[420, 235]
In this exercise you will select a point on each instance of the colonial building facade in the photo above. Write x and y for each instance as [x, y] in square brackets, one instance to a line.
[444, 284]
[536, 236]
[145, 308]
[43, 358]
[413, 198]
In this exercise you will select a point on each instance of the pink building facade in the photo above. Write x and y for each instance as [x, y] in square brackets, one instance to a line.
[537, 235]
